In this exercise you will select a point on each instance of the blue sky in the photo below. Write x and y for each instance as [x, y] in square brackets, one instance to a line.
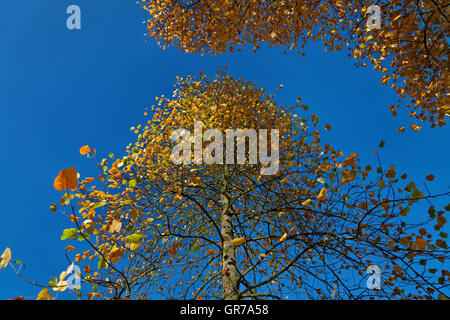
[62, 89]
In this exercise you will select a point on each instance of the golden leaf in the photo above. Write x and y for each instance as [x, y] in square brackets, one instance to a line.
[84, 150]
[238, 241]
[306, 202]
[115, 254]
[5, 258]
[44, 295]
[322, 194]
[66, 180]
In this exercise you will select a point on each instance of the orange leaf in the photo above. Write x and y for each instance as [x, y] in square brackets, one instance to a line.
[84, 150]
[67, 179]
[322, 194]
[173, 249]
[420, 243]
[93, 294]
[430, 177]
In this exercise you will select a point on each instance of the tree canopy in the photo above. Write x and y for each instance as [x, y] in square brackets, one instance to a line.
[160, 229]
[261, 207]
[410, 48]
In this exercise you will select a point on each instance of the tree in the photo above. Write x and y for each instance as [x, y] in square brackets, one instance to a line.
[310, 228]
[410, 48]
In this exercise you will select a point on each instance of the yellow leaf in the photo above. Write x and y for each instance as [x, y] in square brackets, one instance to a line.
[115, 254]
[44, 295]
[322, 194]
[283, 237]
[306, 202]
[61, 286]
[281, 213]
[196, 180]
[134, 246]
[5, 258]
[238, 241]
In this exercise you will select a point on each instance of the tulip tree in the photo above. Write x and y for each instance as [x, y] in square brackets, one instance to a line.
[408, 43]
[149, 227]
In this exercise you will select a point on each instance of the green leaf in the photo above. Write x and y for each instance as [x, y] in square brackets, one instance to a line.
[101, 263]
[83, 237]
[321, 180]
[447, 207]
[410, 186]
[195, 247]
[382, 144]
[67, 199]
[53, 282]
[69, 234]
[97, 205]
[134, 238]
[132, 183]
[417, 194]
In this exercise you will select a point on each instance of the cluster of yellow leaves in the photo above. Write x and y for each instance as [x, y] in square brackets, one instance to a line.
[410, 49]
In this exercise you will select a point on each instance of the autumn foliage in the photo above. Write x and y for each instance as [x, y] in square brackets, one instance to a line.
[146, 227]
[410, 49]
[157, 229]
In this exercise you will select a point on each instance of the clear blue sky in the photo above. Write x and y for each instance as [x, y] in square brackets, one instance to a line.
[62, 89]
